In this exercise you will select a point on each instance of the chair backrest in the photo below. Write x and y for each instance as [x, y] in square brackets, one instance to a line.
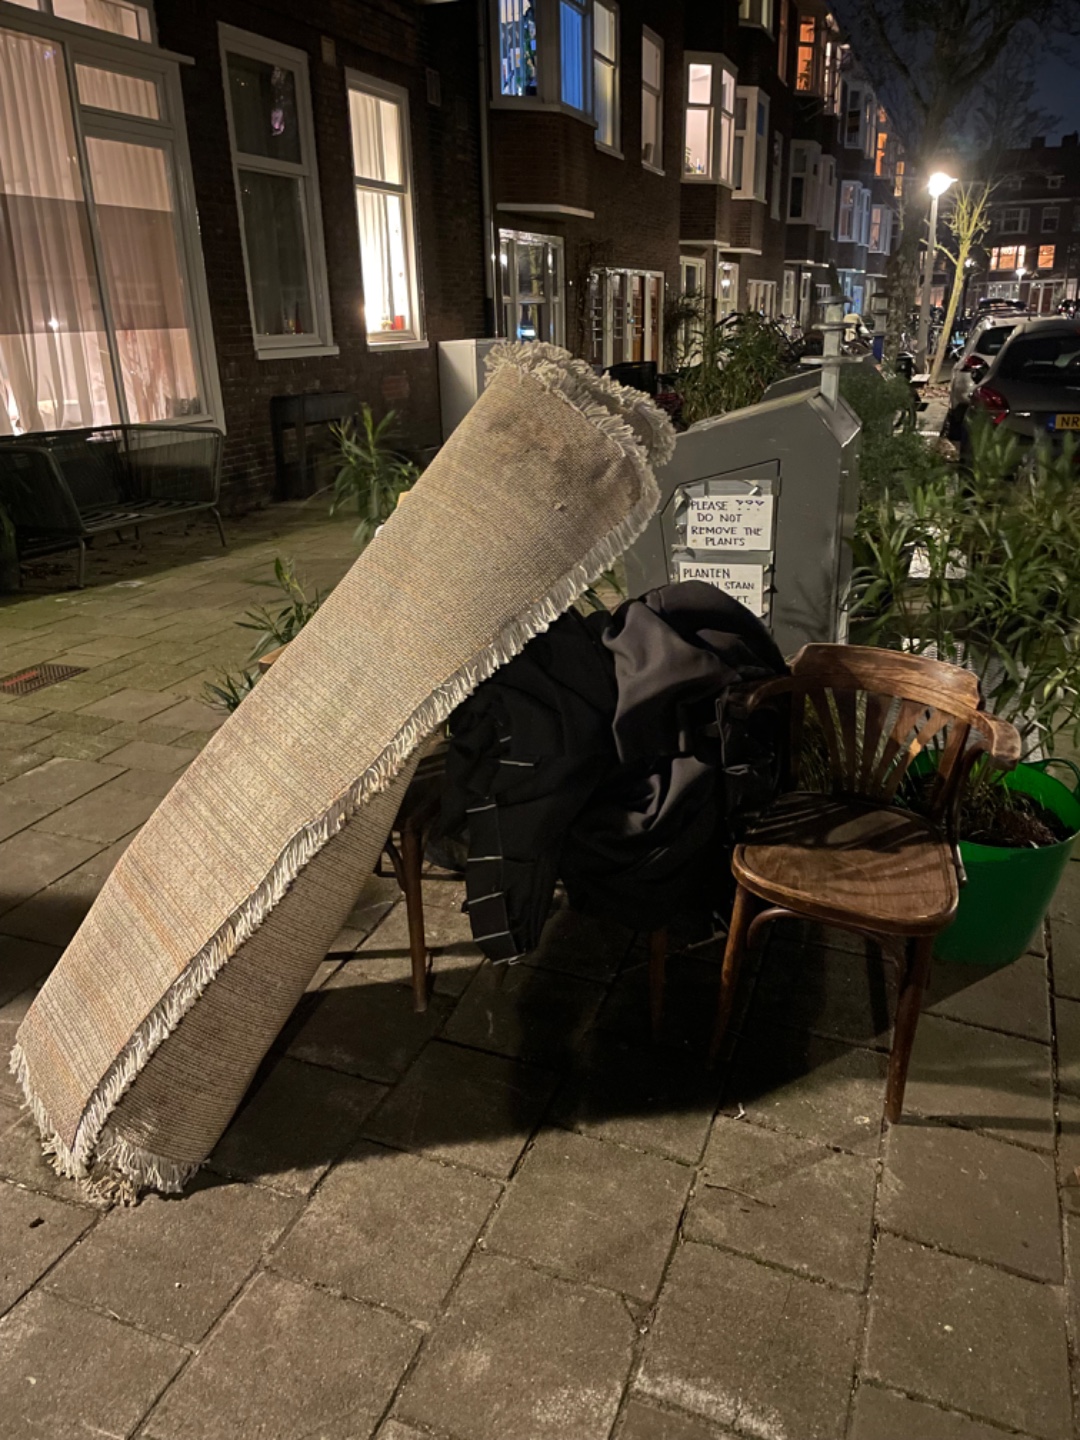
[878, 710]
[92, 463]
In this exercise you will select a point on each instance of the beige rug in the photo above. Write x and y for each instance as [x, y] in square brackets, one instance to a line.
[139, 1047]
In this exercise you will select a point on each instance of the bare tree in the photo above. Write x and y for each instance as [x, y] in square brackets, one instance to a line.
[931, 62]
[968, 220]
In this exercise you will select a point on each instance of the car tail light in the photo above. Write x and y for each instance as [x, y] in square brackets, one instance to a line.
[974, 362]
[992, 401]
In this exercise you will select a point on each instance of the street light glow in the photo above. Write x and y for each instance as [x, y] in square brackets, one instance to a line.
[939, 182]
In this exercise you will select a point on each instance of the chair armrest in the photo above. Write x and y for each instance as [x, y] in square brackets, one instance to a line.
[1002, 740]
[769, 690]
[265, 661]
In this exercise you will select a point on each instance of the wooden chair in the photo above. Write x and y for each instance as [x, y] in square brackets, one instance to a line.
[853, 858]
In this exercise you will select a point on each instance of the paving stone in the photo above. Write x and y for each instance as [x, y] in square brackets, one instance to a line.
[1067, 1020]
[90, 1375]
[16, 762]
[1068, 1152]
[581, 945]
[689, 1007]
[524, 1012]
[810, 1086]
[962, 1192]
[369, 1030]
[474, 1109]
[1065, 939]
[54, 914]
[295, 1125]
[738, 1342]
[20, 816]
[22, 962]
[986, 1081]
[521, 1356]
[76, 723]
[57, 782]
[385, 952]
[970, 1337]
[146, 782]
[77, 694]
[837, 993]
[21, 737]
[30, 861]
[111, 647]
[191, 715]
[390, 1228]
[642, 1097]
[171, 1265]
[884, 1415]
[593, 1211]
[394, 1430]
[787, 1201]
[132, 703]
[146, 755]
[325, 1367]
[66, 746]
[1012, 998]
[22, 1161]
[645, 1422]
[34, 1233]
[103, 815]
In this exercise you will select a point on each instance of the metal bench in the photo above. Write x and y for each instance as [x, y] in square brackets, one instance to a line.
[62, 488]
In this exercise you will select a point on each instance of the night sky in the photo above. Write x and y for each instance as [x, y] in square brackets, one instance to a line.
[1059, 92]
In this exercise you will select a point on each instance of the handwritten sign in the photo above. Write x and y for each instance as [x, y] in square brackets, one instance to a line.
[729, 522]
[743, 582]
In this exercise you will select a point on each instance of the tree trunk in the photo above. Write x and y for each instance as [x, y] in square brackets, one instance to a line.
[950, 311]
[902, 279]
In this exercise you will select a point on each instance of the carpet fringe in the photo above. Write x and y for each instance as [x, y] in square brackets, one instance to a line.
[113, 1168]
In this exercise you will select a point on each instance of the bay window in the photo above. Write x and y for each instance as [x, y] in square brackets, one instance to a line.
[708, 152]
[103, 310]
[858, 109]
[606, 74]
[268, 105]
[803, 185]
[847, 222]
[544, 52]
[756, 12]
[652, 101]
[751, 151]
[531, 286]
[881, 229]
[379, 127]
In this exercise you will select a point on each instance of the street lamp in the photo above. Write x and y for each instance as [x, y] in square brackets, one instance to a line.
[938, 183]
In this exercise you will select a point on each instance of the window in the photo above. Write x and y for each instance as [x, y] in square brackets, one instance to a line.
[692, 285]
[826, 218]
[1050, 216]
[858, 110]
[652, 100]
[118, 17]
[1046, 257]
[545, 52]
[788, 301]
[898, 184]
[379, 125]
[798, 197]
[710, 118]
[531, 267]
[628, 306]
[606, 74]
[756, 12]
[776, 179]
[1007, 257]
[782, 43]
[833, 55]
[1015, 219]
[863, 229]
[849, 199]
[1048, 360]
[808, 70]
[880, 229]
[1014, 182]
[727, 287]
[761, 297]
[273, 151]
[103, 312]
[751, 144]
[1054, 182]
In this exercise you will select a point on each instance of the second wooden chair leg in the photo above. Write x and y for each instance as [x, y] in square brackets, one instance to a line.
[741, 915]
[412, 855]
[658, 948]
[916, 973]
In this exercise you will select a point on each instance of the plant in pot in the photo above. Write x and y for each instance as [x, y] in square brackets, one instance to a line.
[981, 567]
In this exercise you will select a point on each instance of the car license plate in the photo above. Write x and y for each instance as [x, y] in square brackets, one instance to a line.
[1067, 422]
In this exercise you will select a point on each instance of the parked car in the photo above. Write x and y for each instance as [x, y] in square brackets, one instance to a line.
[983, 343]
[1032, 388]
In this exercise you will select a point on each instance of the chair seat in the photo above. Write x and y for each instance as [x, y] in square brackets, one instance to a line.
[851, 862]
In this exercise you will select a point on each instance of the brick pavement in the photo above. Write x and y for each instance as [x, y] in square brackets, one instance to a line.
[513, 1218]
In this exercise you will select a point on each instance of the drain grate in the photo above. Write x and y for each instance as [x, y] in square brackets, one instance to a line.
[36, 677]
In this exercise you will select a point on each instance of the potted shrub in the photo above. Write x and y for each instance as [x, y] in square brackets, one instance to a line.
[981, 567]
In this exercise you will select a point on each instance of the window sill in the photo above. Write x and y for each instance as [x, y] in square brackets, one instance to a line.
[653, 169]
[610, 150]
[294, 352]
[545, 107]
[411, 343]
[706, 180]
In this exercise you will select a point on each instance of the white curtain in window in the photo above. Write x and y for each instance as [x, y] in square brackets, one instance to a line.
[55, 371]
[384, 261]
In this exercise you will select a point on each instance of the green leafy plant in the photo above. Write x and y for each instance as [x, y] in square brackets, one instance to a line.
[890, 448]
[272, 628]
[232, 687]
[729, 363]
[373, 474]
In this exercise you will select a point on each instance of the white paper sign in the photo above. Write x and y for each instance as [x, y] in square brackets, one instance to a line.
[729, 522]
[743, 582]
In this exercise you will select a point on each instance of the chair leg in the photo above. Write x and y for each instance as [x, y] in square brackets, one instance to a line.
[912, 985]
[220, 528]
[658, 949]
[741, 915]
[412, 852]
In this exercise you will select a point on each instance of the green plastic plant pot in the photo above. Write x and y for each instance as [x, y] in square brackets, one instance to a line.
[1009, 889]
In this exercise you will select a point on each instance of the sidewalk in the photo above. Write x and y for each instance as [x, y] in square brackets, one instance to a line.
[512, 1218]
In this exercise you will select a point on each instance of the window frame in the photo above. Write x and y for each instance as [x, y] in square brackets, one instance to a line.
[272, 52]
[396, 95]
[754, 96]
[84, 44]
[657, 40]
[604, 274]
[44, 10]
[549, 77]
[730, 306]
[1050, 212]
[1023, 221]
[1051, 264]
[721, 154]
[615, 145]
[849, 203]
[556, 297]
[761, 13]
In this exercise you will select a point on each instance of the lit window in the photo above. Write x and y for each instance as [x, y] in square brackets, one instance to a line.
[273, 150]
[531, 270]
[628, 307]
[103, 310]
[379, 124]
[727, 287]
[1046, 257]
[833, 55]
[881, 218]
[756, 12]
[710, 118]
[806, 74]
[898, 184]
[1050, 217]
[761, 297]
[574, 51]
[751, 144]
[118, 17]
[545, 52]
[1006, 257]
[606, 74]
[517, 48]
[652, 100]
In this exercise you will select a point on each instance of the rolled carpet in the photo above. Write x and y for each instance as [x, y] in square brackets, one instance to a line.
[139, 1047]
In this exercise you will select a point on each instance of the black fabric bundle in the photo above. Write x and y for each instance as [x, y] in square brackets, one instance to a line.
[612, 754]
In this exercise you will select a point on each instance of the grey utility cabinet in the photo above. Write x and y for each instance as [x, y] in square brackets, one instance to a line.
[762, 503]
